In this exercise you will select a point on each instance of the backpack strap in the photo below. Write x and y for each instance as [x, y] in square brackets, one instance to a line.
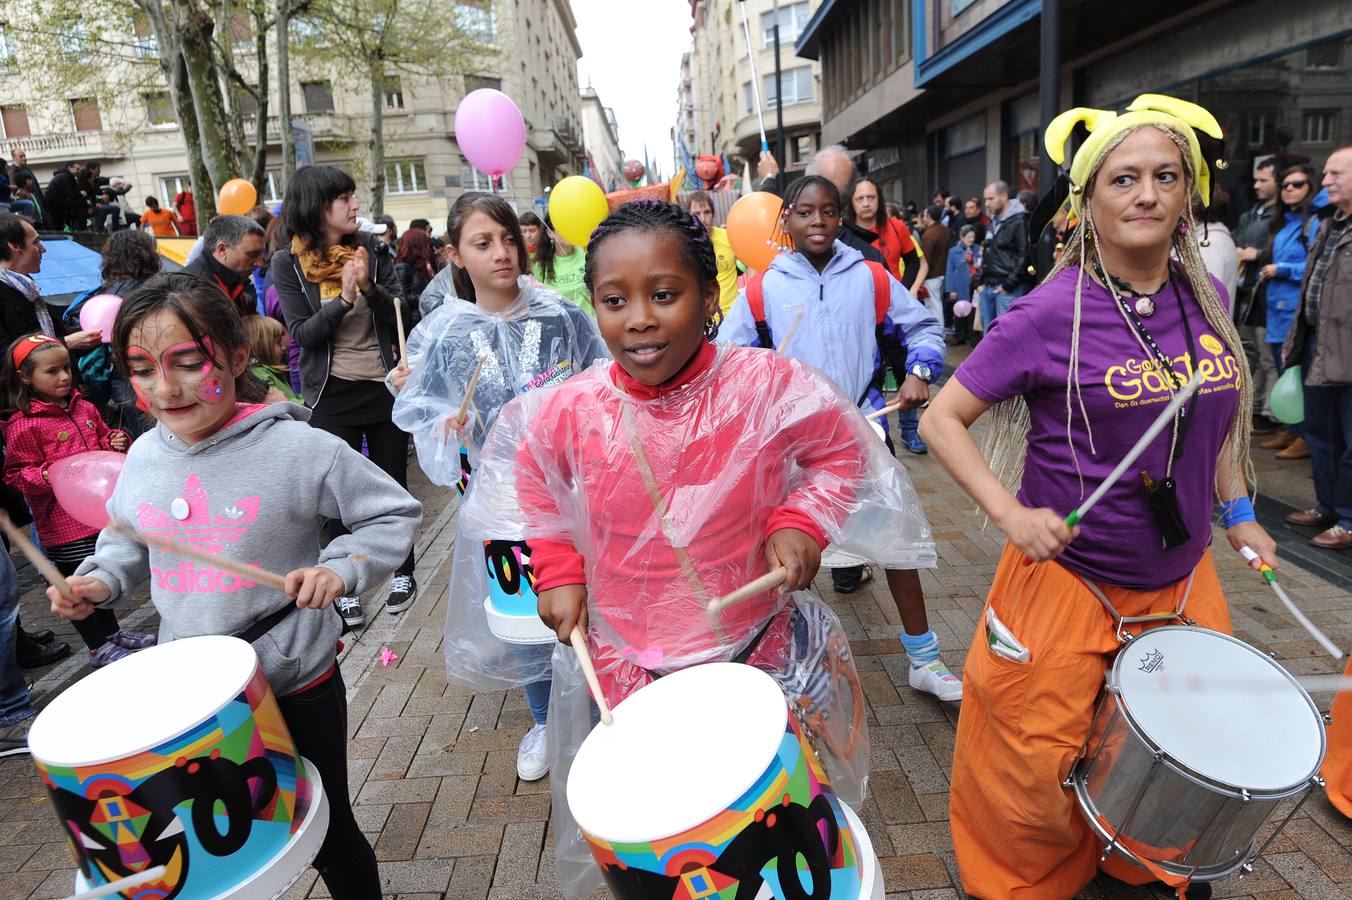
[882, 290]
[755, 298]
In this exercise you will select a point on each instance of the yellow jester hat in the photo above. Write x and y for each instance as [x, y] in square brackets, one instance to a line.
[1105, 126]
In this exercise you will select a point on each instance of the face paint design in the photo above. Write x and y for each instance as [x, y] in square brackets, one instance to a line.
[181, 364]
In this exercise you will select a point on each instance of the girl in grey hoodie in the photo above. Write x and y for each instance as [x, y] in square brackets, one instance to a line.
[254, 483]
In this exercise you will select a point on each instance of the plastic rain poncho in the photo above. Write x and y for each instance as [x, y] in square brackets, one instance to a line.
[751, 443]
[540, 340]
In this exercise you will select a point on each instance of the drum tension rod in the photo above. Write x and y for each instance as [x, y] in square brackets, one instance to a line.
[1315, 782]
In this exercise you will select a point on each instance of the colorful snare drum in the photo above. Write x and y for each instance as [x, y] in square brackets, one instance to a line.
[705, 787]
[178, 756]
[512, 606]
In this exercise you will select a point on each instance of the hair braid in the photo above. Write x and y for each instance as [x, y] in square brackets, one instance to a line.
[1006, 438]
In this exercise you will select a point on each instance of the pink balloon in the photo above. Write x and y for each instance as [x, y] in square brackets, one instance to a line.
[490, 131]
[84, 482]
[98, 312]
[962, 309]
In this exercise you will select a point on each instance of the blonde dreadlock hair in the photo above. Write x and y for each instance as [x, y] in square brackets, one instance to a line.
[1006, 438]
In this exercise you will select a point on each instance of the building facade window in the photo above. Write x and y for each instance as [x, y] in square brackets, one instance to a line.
[1260, 127]
[85, 112]
[1320, 126]
[272, 186]
[471, 179]
[160, 110]
[14, 121]
[797, 86]
[405, 177]
[804, 148]
[394, 94]
[793, 17]
[73, 39]
[171, 186]
[6, 45]
[144, 43]
[475, 18]
[1325, 56]
[318, 96]
[476, 82]
[248, 103]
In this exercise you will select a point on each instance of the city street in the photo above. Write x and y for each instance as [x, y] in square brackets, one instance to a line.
[433, 767]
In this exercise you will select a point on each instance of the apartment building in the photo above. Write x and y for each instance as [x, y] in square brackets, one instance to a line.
[718, 111]
[531, 53]
[601, 141]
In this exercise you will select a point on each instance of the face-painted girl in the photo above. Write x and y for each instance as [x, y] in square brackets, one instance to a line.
[184, 384]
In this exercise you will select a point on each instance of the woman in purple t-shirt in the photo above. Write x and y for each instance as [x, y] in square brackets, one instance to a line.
[1076, 371]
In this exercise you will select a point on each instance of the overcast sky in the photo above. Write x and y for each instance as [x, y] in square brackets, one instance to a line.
[631, 54]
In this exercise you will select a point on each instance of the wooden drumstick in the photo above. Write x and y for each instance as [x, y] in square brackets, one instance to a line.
[186, 551]
[40, 562]
[773, 578]
[399, 329]
[579, 642]
[117, 887]
[788, 335]
[886, 410]
[469, 389]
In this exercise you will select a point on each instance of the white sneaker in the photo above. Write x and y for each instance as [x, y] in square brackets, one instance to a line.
[934, 678]
[532, 762]
[350, 609]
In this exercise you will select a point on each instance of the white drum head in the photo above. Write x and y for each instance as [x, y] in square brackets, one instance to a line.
[1221, 708]
[142, 700]
[682, 749]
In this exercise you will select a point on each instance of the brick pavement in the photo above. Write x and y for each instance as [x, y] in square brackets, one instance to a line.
[433, 767]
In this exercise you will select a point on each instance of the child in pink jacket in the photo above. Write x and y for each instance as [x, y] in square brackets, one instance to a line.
[49, 421]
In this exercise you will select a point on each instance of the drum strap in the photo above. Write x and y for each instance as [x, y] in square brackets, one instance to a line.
[1121, 621]
[266, 624]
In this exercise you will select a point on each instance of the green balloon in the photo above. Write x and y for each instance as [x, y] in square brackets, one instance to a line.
[1288, 397]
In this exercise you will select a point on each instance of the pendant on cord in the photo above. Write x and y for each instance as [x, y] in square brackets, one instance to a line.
[1145, 307]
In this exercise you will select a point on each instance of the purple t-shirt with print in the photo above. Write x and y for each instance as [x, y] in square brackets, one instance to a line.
[1027, 352]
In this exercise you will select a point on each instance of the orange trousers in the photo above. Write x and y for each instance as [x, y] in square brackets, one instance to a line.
[1017, 832]
[1337, 769]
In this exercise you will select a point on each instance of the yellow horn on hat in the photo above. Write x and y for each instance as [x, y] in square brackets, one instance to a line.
[1183, 110]
[1058, 132]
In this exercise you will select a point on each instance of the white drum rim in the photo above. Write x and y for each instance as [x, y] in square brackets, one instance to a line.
[525, 630]
[72, 701]
[871, 885]
[307, 839]
[758, 758]
[1189, 771]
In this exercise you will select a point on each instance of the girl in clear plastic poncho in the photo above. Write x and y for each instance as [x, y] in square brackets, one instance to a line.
[678, 473]
[518, 336]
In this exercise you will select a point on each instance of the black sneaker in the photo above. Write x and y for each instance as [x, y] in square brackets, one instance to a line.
[350, 609]
[403, 591]
[14, 738]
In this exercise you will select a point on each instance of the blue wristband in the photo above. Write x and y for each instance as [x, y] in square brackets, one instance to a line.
[1237, 512]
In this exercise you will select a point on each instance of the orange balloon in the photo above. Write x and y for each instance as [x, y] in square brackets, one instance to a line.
[754, 229]
[237, 197]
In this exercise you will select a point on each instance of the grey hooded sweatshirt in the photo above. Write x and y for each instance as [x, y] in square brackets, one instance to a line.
[259, 491]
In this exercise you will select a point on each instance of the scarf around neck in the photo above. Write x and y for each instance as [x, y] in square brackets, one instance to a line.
[25, 285]
[324, 268]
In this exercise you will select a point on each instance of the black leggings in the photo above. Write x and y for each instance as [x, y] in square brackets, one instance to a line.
[96, 629]
[317, 719]
[387, 447]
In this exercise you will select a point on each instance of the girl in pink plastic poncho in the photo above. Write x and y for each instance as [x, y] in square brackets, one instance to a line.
[650, 485]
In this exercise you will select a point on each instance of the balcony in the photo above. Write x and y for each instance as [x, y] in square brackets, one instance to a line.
[326, 126]
[557, 146]
[56, 148]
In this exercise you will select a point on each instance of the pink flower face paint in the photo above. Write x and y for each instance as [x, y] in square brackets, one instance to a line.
[191, 370]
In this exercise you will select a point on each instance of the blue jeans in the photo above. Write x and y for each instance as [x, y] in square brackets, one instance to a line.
[908, 420]
[537, 698]
[994, 304]
[1328, 428]
[15, 705]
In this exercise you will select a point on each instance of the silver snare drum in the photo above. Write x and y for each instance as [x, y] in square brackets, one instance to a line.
[1197, 740]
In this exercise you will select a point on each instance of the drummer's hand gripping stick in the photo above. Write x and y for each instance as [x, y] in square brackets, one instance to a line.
[1270, 577]
[771, 579]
